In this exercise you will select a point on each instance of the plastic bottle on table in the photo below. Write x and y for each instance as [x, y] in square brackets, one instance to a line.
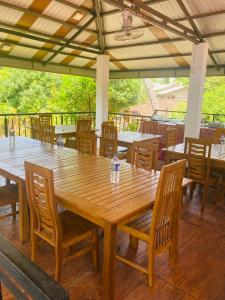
[222, 139]
[115, 170]
[11, 136]
[60, 143]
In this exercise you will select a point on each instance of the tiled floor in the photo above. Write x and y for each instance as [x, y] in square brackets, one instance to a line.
[199, 273]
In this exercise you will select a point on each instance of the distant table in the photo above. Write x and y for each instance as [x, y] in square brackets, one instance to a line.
[127, 139]
[217, 155]
[65, 131]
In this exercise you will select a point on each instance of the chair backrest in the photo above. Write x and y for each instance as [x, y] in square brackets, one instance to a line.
[217, 135]
[87, 142]
[35, 128]
[108, 123]
[146, 155]
[83, 125]
[148, 127]
[165, 218]
[45, 119]
[48, 134]
[171, 137]
[198, 154]
[108, 141]
[45, 221]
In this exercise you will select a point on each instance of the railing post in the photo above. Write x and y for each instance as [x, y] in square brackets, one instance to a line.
[6, 126]
[61, 119]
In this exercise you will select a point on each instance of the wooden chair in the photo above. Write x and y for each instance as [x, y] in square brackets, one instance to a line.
[170, 137]
[199, 155]
[60, 230]
[148, 127]
[46, 119]
[146, 155]
[48, 134]
[9, 196]
[108, 123]
[83, 125]
[35, 128]
[87, 142]
[217, 135]
[108, 140]
[159, 227]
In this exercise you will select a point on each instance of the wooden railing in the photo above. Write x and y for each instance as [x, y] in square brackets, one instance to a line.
[24, 279]
[124, 121]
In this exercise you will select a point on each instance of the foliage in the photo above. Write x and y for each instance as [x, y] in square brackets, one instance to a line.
[214, 97]
[32, 91]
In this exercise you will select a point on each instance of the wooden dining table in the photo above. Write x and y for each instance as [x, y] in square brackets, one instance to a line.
[82, 185]
[217, 155]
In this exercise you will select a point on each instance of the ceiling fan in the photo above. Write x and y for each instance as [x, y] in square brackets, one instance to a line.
[128, 32]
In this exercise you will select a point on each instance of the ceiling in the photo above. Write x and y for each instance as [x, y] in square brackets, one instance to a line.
[66, 36]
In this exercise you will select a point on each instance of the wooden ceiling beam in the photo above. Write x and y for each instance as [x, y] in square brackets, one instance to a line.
[99, 25]
[40, 38]
[19, 44]
[156, 18]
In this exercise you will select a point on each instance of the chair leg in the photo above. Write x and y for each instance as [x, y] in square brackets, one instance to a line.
[13, 208]
[151, 260]
[204, 196]
[133, 242]
[95, 250]
[34, 246]
[192, 188]
[58, 262]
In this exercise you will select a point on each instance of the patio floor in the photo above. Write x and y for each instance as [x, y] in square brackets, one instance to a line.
[199, 273]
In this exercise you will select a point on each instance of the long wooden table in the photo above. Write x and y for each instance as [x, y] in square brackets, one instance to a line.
[82, 185]
[217, 154]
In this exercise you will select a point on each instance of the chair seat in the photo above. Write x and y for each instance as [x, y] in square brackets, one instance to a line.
[139, 227]
[75, 228]
[8, 194]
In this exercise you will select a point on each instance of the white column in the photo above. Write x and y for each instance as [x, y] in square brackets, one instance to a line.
[102, 83]
[196, 90]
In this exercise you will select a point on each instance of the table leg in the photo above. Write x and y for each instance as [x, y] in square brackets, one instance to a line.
[130, 154]
[23, 213]
[109, 261]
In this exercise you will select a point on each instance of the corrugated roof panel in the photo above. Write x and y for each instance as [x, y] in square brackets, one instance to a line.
[139, 51]
[203, 6]
[212, 24]
[113, 67]
[150, 64]
[184, 46]
[9, 16]
[22, 3]
[217, 42]
[22, 52]
[31, 42]
[220, 58]
[91, 55]
[58, 58]
[169, 8]
[79, 62]
[59, 10]
[45, 26]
